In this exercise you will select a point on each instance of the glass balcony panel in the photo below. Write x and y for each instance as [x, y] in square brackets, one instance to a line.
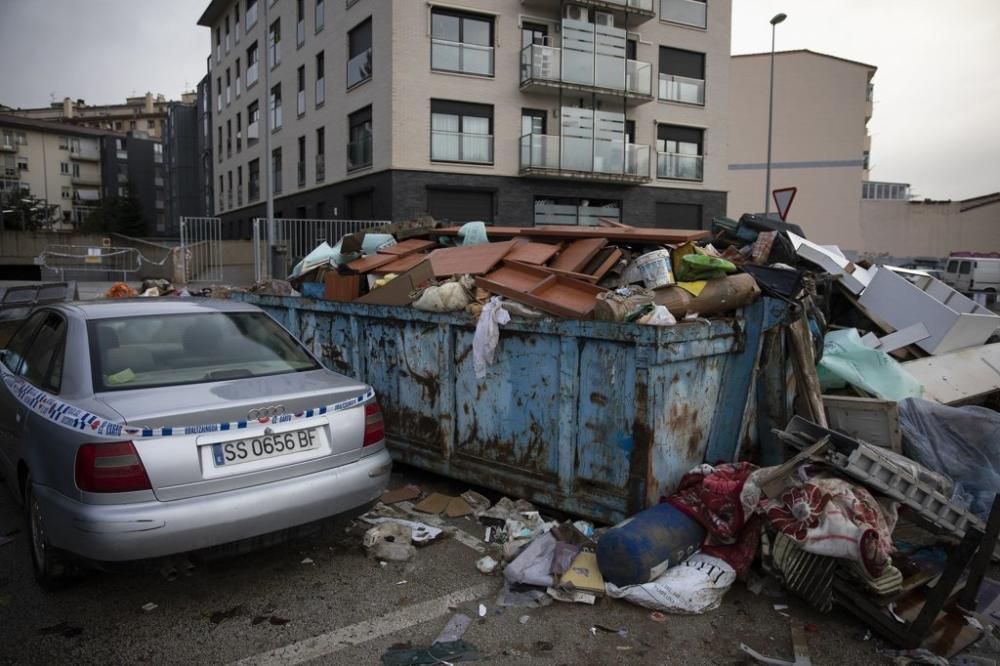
[688, 12]
[682, 89]
[359, 68]
[678, 166]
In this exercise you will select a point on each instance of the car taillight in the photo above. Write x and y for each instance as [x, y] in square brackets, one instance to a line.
[374, 426]
[112, 467]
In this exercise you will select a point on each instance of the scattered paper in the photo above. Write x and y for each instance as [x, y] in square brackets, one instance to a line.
[421, 533]
[482, 610]
[307, 561]
[149, 607]
[455, 628]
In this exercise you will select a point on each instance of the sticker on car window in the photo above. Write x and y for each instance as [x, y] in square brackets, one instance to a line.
[118, 378]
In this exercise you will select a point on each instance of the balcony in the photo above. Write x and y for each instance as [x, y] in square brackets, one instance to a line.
[85, 154]
[8, 146]
[685, 12]
[682, 89]
[359, 68]
[300, 103]
[320, 91]
[631, 12]
[461, 147]
[543, 70]
[448, 56]
[677, 166]
[252, 73]
[84, 181]
[584, 159]
[253, 132]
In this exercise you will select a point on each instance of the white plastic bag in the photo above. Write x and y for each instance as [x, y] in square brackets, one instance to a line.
[449, 297]
[695, 586]
[484, 344]
[660, 316]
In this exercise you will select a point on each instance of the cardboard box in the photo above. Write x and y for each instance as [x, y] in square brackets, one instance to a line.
[341, 287]
[398, 291]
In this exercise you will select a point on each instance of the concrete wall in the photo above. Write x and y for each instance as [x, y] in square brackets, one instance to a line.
[932, 229]
[818, 141]
[21, 247]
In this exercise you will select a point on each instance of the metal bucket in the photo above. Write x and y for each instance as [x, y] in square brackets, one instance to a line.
[655, 269]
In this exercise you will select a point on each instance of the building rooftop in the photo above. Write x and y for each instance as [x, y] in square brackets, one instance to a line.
[50, 126]
[815, 53]
[212, 12]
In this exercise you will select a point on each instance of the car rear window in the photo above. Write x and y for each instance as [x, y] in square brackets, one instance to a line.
[175, 350]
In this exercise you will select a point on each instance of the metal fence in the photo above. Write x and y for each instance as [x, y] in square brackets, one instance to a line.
[91, 258]
[294, 239]
[201, 248]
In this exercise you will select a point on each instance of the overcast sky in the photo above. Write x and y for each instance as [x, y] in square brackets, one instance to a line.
[937, 90]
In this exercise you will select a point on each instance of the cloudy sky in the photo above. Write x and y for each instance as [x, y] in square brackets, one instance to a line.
[937, 90]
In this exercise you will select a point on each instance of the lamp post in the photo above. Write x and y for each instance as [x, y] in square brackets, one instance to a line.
[778, 18]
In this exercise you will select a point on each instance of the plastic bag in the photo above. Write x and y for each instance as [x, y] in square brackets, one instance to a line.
[702, 267]
[533, 566]
[695, 586]
[960, 442]
[660, 316]
[449, 297]
[484, 344]
[846, 360]
[473, 233]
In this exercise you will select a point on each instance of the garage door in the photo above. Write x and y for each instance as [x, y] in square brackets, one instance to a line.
[678, 216]
[460, 205]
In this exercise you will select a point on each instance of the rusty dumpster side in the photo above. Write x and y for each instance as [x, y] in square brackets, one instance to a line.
[593, 418]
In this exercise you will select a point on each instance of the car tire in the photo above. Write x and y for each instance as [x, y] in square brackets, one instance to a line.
[47, 562]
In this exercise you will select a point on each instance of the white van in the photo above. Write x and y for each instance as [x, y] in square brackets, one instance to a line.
[968, 274]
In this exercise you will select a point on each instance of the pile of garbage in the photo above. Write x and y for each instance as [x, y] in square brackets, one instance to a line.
[149, 288]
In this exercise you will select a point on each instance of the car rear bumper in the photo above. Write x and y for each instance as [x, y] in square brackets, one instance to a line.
[121, 532]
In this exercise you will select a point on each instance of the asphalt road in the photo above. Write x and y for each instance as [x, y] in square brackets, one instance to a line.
[274, 606]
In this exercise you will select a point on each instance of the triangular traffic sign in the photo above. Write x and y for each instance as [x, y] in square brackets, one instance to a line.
[783, 199]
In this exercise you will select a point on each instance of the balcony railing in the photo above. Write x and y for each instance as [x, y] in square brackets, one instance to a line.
[229, 95]
[8, 146]
[544, 152]
[451, 56]
[253, 132]
[320, 167]
[121, 154]
[359, 68]
[359, 154]
[682, 89]
[251, 17]
[90, 180]
[688, 12]
[544, 63]
[461, 147]
[679, 167]
[300, 33]
[300, 102]
[86, 154]
[252, 73]
[320, 91]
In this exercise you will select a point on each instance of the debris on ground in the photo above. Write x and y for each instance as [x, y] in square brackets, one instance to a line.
[389, 541]
[149, 607]
[455, 629]
[438, 653]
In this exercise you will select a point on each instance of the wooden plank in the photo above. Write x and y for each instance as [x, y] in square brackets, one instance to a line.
[409, 247]
[605, 260]
[517, 276]
[369, 264]
[534, 253]
[402, 264]
[471, 260]
[641, 235]
[552, 293]
[607, 222]
[578, 253]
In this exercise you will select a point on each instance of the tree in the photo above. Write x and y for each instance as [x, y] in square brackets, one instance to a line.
[23, 211]
[121, 215]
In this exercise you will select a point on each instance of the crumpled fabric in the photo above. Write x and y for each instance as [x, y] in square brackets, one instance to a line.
[963, 443]
[835, 518]
[712, 496]
[846, 360]
[697, 585]
[449, 297]
[484, 344]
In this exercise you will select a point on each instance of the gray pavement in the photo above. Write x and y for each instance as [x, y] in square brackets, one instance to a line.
[343, 608]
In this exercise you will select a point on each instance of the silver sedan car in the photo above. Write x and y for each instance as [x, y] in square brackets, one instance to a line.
[137, 429]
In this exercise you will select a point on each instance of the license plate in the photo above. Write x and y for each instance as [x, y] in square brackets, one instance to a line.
[265, 446]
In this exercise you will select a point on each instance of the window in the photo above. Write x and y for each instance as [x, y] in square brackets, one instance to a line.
[64, 143]
[300, 94]
[533, 121]
[8, 139]
[43, 361]
[320, 15]
[150, 124]
[218, 44]
[251, 14]
[274, 43]
[300, 166]
[671, 215]
[121, 151]
[573, 211]
[680, 154]
[276, 107]
[76, 170]
[229, 87]
[239, 186]
[67, 193]
[64, 168]
[865, 160]
[359, 54]
[118, 125]
[359, 137]
[230, 189]
[534, 33]
[158, 153]
[17, 347]
[461, 42]
[276, 170]
[236, 21]
[22, 163]
[229, 138]
[682, 76]
[239, 132]
[22, 139]
[239, 80]
[461, 132]
[320, 79]
[965, 268]
[228, 35]
[222, 191]
[220, 144]
[300, 23]
[253, 180]
[253, 124]
[218, 94]
[320, 155]
[686, 12]
[252, 56]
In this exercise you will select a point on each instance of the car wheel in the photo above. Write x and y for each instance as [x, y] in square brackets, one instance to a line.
[47, 561]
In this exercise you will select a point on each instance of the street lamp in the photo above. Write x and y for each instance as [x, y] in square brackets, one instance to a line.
[778, 18]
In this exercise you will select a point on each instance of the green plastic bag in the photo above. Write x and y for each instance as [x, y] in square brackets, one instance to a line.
[846, 360]
[696, 267]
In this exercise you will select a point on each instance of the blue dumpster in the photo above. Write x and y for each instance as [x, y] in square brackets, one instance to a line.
[596, 419]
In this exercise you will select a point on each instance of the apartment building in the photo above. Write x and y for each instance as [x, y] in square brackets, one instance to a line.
[146, 114]
[514, 112]
[185, 180]
[821, 145]
[57, 163]
[133, 166]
